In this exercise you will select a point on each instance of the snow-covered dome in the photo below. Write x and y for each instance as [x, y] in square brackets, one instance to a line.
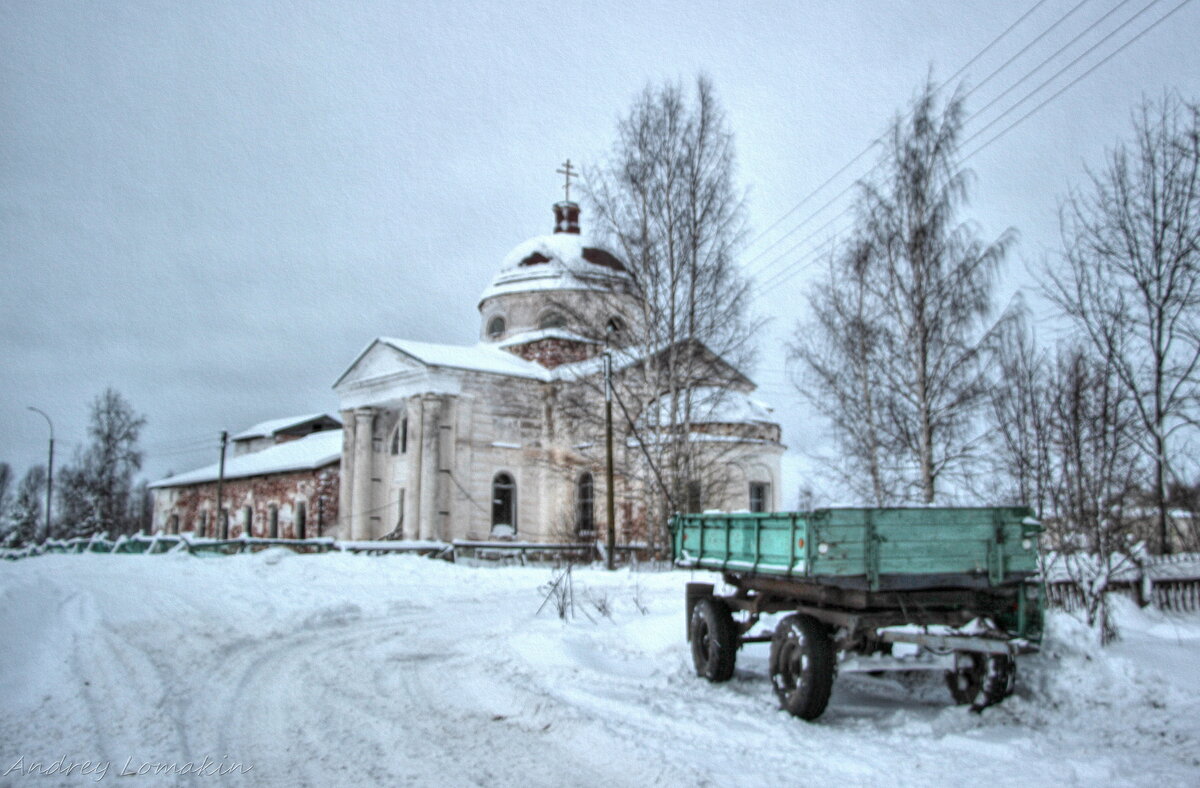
[564, 260]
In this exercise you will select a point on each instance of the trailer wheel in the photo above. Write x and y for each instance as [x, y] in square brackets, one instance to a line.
[981, 680]
[801, 665]
[714, 640]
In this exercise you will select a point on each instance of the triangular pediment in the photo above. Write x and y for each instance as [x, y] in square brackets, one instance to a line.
[379, 361]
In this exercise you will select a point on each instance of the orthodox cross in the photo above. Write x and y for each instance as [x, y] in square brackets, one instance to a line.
[567, 172]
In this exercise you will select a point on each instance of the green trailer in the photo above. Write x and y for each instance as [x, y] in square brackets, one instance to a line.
[950, 589]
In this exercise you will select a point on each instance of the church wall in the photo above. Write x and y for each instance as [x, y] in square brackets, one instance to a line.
[316, 489]
[501, 433]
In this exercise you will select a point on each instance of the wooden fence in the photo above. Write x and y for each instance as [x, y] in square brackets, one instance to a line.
[505, 552]
[1169, 582]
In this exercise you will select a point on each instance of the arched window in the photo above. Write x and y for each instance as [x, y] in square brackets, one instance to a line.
[203, 527]
[585, 510]
[301, 520]
[247, 521]
[504, 501]
[552, 320]
[273, 514]
[692, 499]
[174, 526]
[759, 496]
[495, 327]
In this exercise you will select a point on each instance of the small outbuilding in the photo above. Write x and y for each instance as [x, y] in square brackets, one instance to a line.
[281, 482]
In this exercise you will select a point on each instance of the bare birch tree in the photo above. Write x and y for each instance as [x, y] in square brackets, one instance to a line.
[96, 488]
[839, 374]
[1130, 278]
[1094, 428]
[929, 281]
[1020, 418]
[665, 200]
[6, 479]
[27, 514]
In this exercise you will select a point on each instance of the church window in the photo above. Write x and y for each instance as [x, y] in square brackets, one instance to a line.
[504, 499]
[758, 497]
[537, 258]
[495, 327]
[400, 437]
[273, 514]
[552, 320]
[601, 257]
[585, 511]
[301, 520]
[692, 498]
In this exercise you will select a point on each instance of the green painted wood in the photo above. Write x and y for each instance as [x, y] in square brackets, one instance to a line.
[863, 542]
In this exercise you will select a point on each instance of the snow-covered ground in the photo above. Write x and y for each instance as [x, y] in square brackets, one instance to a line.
[352, 670]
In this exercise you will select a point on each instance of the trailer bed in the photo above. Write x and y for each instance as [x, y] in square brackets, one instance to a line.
[867, 550]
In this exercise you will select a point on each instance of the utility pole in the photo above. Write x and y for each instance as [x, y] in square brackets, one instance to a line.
[49, 472]
[608, 471]
[220, 525]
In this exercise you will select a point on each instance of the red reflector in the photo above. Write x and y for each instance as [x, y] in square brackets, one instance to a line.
[800, 542]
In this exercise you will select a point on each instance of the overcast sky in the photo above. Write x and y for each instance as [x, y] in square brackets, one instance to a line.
[214, 206]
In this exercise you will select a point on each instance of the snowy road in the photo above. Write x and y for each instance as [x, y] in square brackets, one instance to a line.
[344, 670]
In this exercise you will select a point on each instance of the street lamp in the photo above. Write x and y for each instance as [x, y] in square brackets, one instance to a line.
[49, 469]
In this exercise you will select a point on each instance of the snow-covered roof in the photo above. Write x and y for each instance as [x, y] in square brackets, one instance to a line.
[267, 428]
[560, 261]
[525, 337]
[313, 451]
[477, 358]
[492, 359]
[715, 405]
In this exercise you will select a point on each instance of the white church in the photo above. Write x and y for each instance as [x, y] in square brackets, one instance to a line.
[474, 442]
[492, 440]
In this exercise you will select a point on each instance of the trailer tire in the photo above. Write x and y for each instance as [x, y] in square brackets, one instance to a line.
[714, 640]
[802, 666]
[981, 680]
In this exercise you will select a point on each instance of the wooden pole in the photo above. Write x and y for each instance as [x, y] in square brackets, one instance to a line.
[219, 526]
[608, 471]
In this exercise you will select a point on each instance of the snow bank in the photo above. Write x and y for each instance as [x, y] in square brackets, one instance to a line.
[338, 669]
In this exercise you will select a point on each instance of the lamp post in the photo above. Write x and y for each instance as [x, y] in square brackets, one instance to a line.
[49, 469]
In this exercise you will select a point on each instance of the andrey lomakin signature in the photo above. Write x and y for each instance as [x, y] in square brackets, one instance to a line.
[98, 770]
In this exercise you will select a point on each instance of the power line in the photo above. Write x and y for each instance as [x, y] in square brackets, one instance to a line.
[1074, 81]
[1034, 42]
[880, 138]
[789, 271]
[179, 452]
[1008, 62]
[1058, 52]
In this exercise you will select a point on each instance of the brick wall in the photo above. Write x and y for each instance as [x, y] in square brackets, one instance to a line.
[186, 508]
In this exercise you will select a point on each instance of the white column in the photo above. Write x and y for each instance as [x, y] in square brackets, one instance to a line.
[346, 477]
[364, 454]
[430, 442]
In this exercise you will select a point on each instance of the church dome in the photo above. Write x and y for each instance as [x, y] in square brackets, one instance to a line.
[563, 260]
